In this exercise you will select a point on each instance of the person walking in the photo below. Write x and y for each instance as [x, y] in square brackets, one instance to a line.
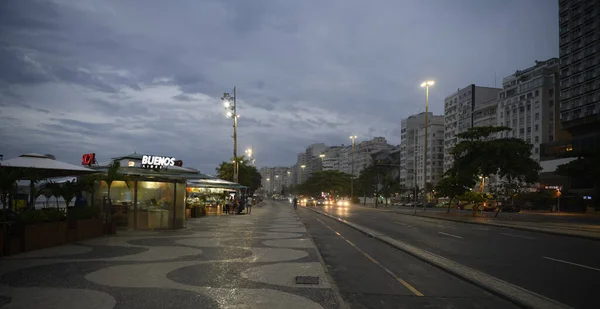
[249, 205]
[295, 203]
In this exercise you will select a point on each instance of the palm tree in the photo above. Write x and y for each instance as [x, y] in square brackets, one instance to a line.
[112, 175]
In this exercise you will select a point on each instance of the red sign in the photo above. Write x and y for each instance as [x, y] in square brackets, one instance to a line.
[88, 159]
[178, 163]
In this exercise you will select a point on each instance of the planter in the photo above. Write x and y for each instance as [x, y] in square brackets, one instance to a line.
[88, 228]
[71, 235]
[44, 235]
[110, 228]
[13, 245]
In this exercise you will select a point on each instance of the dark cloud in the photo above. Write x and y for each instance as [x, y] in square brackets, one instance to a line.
[117, 76]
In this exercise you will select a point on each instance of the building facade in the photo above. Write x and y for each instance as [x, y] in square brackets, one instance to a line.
[528, 104]
[412, 146]
[579, 33]
[458, 114]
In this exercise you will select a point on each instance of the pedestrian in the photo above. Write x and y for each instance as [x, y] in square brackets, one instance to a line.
[249, 205]
[295, 203]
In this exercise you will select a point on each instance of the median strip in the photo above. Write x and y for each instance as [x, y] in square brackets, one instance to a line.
[511, 292]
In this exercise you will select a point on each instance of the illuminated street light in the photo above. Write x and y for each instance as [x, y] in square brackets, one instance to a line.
[229, 102]
[426, 85]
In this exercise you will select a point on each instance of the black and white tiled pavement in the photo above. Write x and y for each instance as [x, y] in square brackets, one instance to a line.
[246, 261]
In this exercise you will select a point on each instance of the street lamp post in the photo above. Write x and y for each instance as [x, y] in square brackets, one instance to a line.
[231, 107]
[352, 137]
[426, 85]
[302, 174]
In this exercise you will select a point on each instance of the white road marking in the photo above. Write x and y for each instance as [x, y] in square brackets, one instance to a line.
[566, 262]
[518, 236]
[450, 235]
[403, 224]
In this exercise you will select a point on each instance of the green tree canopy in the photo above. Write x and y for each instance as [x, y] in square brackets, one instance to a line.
[451, 187]
[480, 155]
[332, 182]
[248, 174]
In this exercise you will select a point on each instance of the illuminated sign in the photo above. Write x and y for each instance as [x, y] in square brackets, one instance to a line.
[131, 163]
[88, 159]
[157, 161]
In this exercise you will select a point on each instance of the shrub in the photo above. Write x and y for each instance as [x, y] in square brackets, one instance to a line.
[41, 216]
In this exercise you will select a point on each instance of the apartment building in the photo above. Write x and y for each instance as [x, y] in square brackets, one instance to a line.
[579, 43]
[332, 158]
[458, 114]
[528, 104]
[274, 179]
[412, 146]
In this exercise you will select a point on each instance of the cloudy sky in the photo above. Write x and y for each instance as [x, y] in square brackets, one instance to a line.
[114, 77]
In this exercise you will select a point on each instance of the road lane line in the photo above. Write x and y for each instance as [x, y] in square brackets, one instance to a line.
[518, 236]
[455, 236]
[567, 262]
[374, 261]
[403, 224]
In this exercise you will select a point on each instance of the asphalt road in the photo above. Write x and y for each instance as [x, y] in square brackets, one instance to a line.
[371, 274]
[565, 269]
[541, 217]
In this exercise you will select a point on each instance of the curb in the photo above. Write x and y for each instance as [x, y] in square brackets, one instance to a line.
[335, 289]
[508, 291]
[522, 228]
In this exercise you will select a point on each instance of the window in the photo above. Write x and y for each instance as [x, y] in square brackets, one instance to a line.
[551, 92]
[537, 93]
[550, 103]
[551, 138]
[537, 127]
[537, 116]
[537, 139]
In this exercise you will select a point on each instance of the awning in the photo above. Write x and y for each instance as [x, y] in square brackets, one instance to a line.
[45, 167]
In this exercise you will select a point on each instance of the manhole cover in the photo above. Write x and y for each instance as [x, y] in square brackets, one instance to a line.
[307, 280]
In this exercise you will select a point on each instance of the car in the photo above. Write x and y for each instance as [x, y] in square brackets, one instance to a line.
[343, 203]
[321, 202]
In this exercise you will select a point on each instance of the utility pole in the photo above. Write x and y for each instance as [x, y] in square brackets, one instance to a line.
[426, 85]
[230, 105]
[353, 137]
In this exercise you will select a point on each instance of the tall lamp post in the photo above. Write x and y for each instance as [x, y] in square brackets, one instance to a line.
[302, 174]
[426, 85]
[229, 102]
[352, 137]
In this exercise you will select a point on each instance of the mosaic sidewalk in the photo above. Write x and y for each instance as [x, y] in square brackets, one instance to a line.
[244, 261]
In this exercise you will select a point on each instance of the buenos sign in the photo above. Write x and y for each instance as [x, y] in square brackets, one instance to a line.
[157, 161]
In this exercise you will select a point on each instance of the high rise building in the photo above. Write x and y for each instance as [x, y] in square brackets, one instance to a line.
[458, 114]
[331, 161]
[528, 105]
[412, 146]
[579, 33]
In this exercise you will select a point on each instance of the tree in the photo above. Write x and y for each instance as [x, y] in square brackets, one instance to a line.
[367, 180]
[332, 182]
[248, 175]
[113, 174]
[451, 187]
[474, 197]
[477, 155]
